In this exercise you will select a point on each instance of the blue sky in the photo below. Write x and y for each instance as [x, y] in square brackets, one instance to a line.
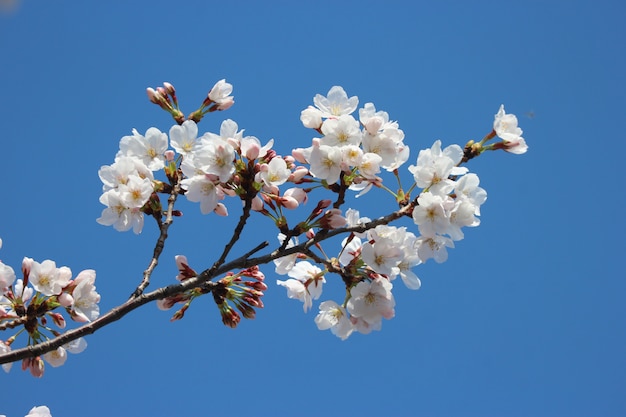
[525, 318]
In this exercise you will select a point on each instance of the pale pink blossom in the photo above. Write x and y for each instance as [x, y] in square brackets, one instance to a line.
[334, 317]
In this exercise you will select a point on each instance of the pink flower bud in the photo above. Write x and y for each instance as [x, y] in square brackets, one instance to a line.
[288, 202]
[333, 219]
[299, 155]
[58, 319]
[34, 365]
[257, 204]
[220, 210]
[169, 88]
[184, 271]
[27, 263]
[298, 194]
[65, 299]
[373, 125]
[152, 95]
[226, 104]
[169, 155]
[297, 175]
[251, 151]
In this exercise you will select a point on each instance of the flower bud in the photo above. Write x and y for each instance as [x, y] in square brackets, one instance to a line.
[58, 319]
[34, 365]
[298, 174]
[169, 88]
[257, 203]
[65, 299]
[220, 210]
[311, 117]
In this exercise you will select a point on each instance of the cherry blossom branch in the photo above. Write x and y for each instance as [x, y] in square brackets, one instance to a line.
[202, 280]
[13, 323]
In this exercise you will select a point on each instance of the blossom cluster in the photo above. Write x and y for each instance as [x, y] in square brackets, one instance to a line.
[32, 306]
[213, 166]
[358, 149]
[349, 153]
[353, 152]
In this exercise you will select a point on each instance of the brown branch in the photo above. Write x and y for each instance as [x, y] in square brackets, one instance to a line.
[160, 244]
[203, 280]
[13, 323]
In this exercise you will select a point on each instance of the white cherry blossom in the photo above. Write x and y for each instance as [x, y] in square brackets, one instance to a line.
[149, 149]
[334, 317]
[49, 280]
[326, 163]
[371, 301]
[336, 103]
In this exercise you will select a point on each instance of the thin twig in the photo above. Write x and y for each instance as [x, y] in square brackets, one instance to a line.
[160, 244]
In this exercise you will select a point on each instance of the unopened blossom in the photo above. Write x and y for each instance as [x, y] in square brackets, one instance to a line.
[23, 292]
[221, 210]
[336, 103]
[149, 148]
[49, 280]
[298, 174]
[297, 194]
[184, 270]
[375, 121]
[311, 117]
[35, 366]
[332, 219]
[334, 317]
[56, 357]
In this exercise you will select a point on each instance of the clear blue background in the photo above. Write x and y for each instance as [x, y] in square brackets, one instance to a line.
[525, 319]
